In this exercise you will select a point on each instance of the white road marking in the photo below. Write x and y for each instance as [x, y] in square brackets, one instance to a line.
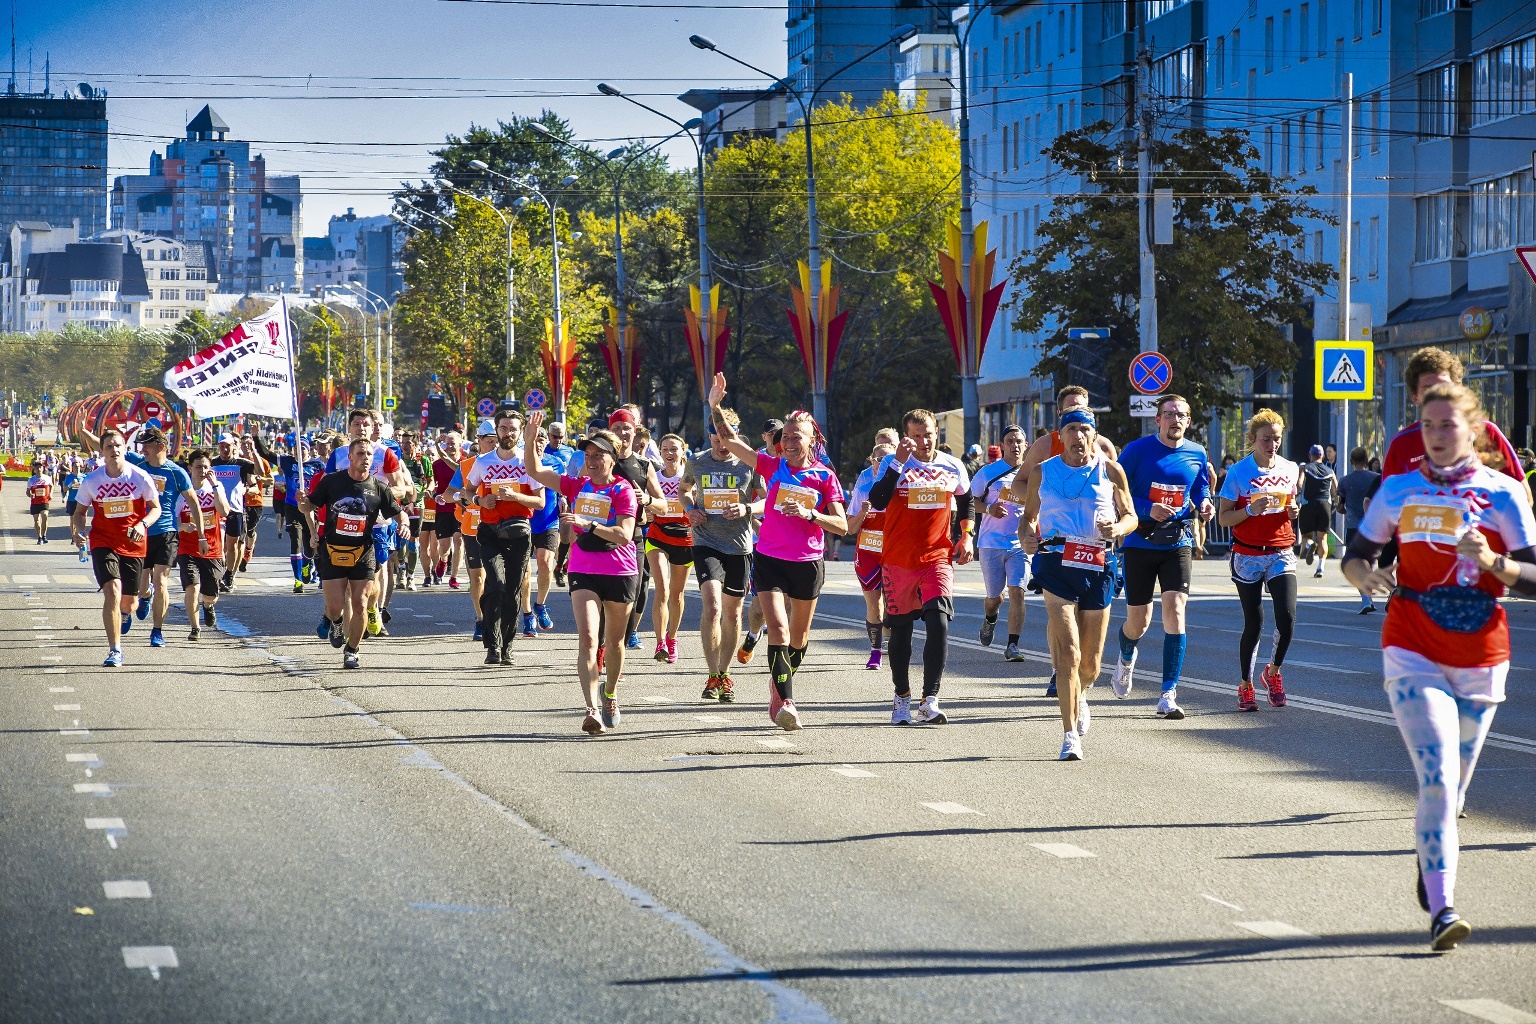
[422, 616]
[74, 732]
[1065, 851]
[50, 657]
[30, 581]
[777, 744]
[93, 787]
[1327, 668]
[66, 707]
[155, 958]
[61, 689]
[89, 758]
[1273, 929]
[75, 578]
[1224, 903]
[42, 628]
[1490, 1010]
[115, 824]
[849, 772]
[711, 718]
[126, 890]
[946, 807]
[55, 671]
[447, 624]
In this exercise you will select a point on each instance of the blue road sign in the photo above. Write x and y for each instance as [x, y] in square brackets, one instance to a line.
[389, 404]
[1087, 333]
[486, 406]
[1151, 373]
[535, 399]
[1344, 369]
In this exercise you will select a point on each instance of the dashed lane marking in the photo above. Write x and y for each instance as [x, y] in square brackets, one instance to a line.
[850, 772]
[946, 807]
[1224, 903]
[1490, 1010]
[74, 732]
[114, 824]
[55, 671]
[154, 958]
[97, 788]
[66, 707]
[1273, 929]
[126, 890]
[711, 718]
[1066, 851]
[61, 689]
[86, 756]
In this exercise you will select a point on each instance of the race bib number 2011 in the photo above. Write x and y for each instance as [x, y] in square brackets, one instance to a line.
[717, 500]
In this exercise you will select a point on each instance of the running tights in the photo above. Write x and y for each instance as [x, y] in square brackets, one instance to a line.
[1282, 591]
[298, 546]
[637, 613]
[1444, 734]
[935, 651]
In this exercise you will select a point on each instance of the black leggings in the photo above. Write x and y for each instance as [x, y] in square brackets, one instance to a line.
[935, 650]
[505, 558]
[1282, 590]
[298, 535]
[637, 614]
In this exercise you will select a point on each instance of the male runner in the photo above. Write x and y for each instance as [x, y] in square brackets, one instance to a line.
[867, 525]
[442, 558]
[299, 471]
[200, 533]
[1170, 487]
[999, 490]
[559, 455]
[1319, 493]
[40, 496]
[507, 497]
[234, 474]
[468, 516]
[546, 548]
[918, 487]
[385, 467]
[1426, 368]
[720, 508]
[121, 499]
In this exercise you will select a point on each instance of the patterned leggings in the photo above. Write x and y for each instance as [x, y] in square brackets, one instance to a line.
[1434, 723]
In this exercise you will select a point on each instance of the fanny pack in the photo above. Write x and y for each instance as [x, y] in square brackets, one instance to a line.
[506, 529]
[589, 541]
[344, 558]
[1454, 609]
[1165, 533]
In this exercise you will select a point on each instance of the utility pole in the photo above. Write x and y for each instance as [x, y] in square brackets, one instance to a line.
[1346, 226]
[970, 398]
[1147, 306]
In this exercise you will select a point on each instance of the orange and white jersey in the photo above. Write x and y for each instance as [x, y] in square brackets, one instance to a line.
[117, 504]
[490, 474]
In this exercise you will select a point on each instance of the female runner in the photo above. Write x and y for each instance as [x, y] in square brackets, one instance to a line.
[669, 548]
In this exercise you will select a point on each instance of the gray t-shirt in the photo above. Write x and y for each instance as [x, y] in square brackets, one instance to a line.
[1354, 489]
[711, 478]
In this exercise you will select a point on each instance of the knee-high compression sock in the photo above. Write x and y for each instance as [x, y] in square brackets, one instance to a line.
[296, 562]
[1173, 659]
[779, 668]
[410, 559]
[935, 650]
[873, 630]
[901, 654]
[796, 656]
[1127, 645]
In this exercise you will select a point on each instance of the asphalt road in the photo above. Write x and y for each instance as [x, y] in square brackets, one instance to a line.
[429, 839]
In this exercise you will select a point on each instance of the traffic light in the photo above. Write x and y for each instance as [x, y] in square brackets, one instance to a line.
[439, 416]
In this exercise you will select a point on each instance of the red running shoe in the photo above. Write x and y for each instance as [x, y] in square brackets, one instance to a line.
[1247, 700]
[1275, 684]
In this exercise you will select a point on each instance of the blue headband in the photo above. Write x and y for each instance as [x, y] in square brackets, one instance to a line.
[1076, 416]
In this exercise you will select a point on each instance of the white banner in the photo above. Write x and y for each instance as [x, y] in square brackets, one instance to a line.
[249, 370]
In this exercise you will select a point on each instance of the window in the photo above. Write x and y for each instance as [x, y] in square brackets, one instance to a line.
[1440, 226]
[197, 295]
[1237, 55]
[1359, 19]
[1177, 77]
[1437, 102]
[1007, 64]
[170, 275]
[1373, 249]
[1430, 8]
[1354, 251]
[1317, 246]
[1504, 81]
[1039, 43]
[1322, 28]
[1157, 8]
[1375, 20]
[1113, 18]
[1004, 165]
[170, 294]
[1269, 150]
[1269, 45]
[1376, 122]
[1072, 30]
[1301, 139]
[1029, 34]
[1285, 39]
[1061, 33]
[1304, 33]
[1071, 114]
[1320, 125]
[1503, 213]
[1015, 144]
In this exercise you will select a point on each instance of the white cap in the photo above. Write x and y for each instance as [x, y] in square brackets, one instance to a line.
[487, 429]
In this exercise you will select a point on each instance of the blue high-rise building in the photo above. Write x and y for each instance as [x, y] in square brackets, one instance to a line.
[825, 36]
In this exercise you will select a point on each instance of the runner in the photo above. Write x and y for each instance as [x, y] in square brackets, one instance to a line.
[1355, 492]
[772, 433]
[1465, 533]
[122, 499]
[804, 501]
[637, 469]
[442, 558]
[669, 548]
[299, 471]
[546, 547]
[468, 516]
[1258, 502]
[561, 454]
[918, 487]
[720, 488]
[40, 496]
[1075, 505]
[387, 470]
[73, 474]
[171, 484]
[352, 500]
[604, 570]
[999, 491]
[200, 532]
[1426, 368]
[234, 475]
[419, 466]
[868, 524]
[251, 451]
[1167, 476]
[508, 497]
[1320, 493]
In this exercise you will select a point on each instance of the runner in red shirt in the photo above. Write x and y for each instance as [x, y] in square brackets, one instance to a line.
[40, 496]
[122, 500]
[1426, 368]
[200, 556]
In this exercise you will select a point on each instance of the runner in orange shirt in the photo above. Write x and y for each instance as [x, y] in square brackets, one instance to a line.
[122, 500]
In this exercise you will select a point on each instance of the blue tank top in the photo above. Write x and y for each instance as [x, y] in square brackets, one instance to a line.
[1074, 501]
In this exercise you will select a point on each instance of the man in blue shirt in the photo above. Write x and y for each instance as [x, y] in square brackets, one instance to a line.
[1171, 486]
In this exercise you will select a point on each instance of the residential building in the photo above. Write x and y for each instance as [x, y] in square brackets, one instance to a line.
[362, 249]
[97, 284]
[23, 240]
[53, 158]
[827, 35]
[208, 187]
[1445, 107]
[182, 277]
[731, 115]
[925, 75]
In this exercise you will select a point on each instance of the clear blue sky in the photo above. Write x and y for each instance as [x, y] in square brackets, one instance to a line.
[453, 64]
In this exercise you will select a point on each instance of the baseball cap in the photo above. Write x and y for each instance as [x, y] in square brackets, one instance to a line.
[154, 434]
[974, 449]
[1315, 451]
[771, 425]
[994, 452]
[226, 439]
[487, 429]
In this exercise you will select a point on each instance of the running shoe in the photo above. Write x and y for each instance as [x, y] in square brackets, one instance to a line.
[1084, 716]
[727, 690]
[426, 582]
[506, 654]
[774, 702]
[491, 657]
[1319, 574]
[1275, 684]
[590, 725]
[661, 650]
[375, 627]
[349, 660]
[195, 635]
[559, 579]
[611, 713]
[384, 615]
[307, 572]
[479, 631]
[632, 642]
[1367, 606]
[787, 717]
[1447, 930]
[1050, 687]
[1124, 677]
[323, 627]
[335, 634]
[114, 659]
[156, 637]
[1168, 705]
[712, 688]
[298, 586]
[410, 583]
[1246, 699]
[210, 617]
[901, 709]
[1012, 653]
[440, 570]
[127, 624]
[1419, 890]
[1071, 747]
[671, 650]
[988, 629]
[873, 663]
[748, 642]
[1306, 551]
[541, 613]
[142, 611]
[530, 625]
[453, 583]
[928, 712]
[226, 585]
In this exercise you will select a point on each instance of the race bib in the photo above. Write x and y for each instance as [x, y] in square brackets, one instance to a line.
[1013, 494]
[1084, 553]
[117, 508]
[1280, 502]
[872, 540]
[927, 497]
[794, 494]
[717, 500]
[592, 508]
[1171, 495]
[350, 525]
[429, 513]
[471, 520]
[672, 508]
[1431, 520]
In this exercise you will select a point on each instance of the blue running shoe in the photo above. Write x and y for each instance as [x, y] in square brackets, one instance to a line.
[1050, 690]
[156, 638]
[530, 625]
[479, 631]
[633, 642]
[127, 623]
[323, 628]
[542, 613]
[114, 659]
[142, 611]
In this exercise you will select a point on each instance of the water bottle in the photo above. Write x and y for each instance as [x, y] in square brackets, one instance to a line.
[1467, 572]
[83, 556]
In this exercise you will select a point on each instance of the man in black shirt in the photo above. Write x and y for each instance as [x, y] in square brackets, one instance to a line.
[353, 501]
[1319, 492]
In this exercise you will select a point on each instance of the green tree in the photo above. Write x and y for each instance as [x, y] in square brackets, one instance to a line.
[1229, 284]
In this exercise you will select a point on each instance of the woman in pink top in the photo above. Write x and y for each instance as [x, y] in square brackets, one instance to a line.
[603, 572]
[805, 500]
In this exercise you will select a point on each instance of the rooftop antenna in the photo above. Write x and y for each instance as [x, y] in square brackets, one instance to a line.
[11, 89]
[48, 73]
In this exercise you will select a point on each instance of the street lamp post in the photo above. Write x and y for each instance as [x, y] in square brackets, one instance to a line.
[378, 302]
[362, 331]
[508, 223]
[807, 104]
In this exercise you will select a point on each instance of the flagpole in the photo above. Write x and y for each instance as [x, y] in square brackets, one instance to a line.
[293, 377]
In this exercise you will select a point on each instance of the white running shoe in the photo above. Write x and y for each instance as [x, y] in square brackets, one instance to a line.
[788, 717]
[1084, 718]
[1071, 748]
[1121, 681]
[901, 710]
[1168, 705]
[928, 712]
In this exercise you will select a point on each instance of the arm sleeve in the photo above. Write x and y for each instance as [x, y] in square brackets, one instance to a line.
[884, 490]
[1362, 547]
[965, 504]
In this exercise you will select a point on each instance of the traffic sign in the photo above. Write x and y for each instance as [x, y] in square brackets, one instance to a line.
[1527, 254]
[1087, 333]
[535, 399]
[389, 403]
[1151, 373]
[486, 406]
[151, 410]
[5, 423]
[1144, 407]
[1345, 369]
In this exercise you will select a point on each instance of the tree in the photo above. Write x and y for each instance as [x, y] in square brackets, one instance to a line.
[1229, 284]
[78, 361]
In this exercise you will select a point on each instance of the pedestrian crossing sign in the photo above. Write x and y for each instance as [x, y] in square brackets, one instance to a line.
[1345, 370]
